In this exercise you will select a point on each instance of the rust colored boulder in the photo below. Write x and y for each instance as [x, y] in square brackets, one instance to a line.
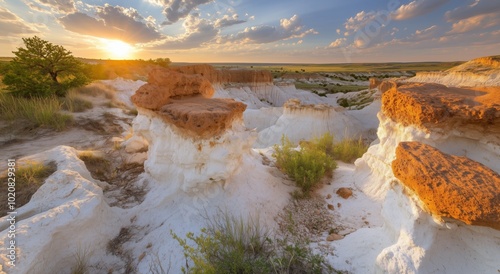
[164, 84]
[202, 117]
[450, 186]
[436, 106]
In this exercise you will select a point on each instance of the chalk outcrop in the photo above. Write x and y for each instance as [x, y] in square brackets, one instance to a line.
[449, 186]
[433, 199]
[305, 121]
[484, 71]
[193, 140]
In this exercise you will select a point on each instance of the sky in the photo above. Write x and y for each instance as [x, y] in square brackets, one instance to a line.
[258, 31]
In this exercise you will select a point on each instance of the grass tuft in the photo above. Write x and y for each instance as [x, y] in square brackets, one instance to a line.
[97, 165]
[29, 176]
[39, 111]
[233, 245]
[74, 103]
[348, 150]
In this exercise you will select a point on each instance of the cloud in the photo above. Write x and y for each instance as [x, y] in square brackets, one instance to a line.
[288, 28]
[337, 43]
[178, 9]
[113, 22]
[425, 34]
[227, 21]
[477, 22]
[478, 7]
[198, 32]
[416, 8]
[12, 25]
[65, 6]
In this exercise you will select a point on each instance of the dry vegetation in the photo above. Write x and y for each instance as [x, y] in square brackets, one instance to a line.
[29, 176]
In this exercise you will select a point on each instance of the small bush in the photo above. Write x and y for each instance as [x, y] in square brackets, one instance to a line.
[348, 150]
[29, 177]
[39, 111]
[228, 245]
[305, 166]
[232, 245]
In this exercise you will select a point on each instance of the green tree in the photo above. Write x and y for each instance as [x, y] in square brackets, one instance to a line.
[43, 69]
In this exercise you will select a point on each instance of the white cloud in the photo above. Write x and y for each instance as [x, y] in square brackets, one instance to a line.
[12, 25]
[288, 28]
[477, 22]
[477, 7]
[113, 22]
[64, 6]
[417, 8]
[227, 21]
[178, 9]
[197, 33]
[337, 43]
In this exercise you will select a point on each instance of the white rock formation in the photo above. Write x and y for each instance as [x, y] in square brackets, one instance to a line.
[190, 163]
[66, 217]
[483, 71]
[411, 240]
[303, 122]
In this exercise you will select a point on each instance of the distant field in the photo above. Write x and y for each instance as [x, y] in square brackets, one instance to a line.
[357, 67]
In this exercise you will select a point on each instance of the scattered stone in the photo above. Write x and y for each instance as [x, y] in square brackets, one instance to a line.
[331, 207]
[339, 205]
[344, 192]
[328, 196]
[334, 237]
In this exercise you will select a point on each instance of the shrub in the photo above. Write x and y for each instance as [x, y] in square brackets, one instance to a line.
[39, 111]
[232, 245]
[305, 166]
[228, 245]
[349, 150]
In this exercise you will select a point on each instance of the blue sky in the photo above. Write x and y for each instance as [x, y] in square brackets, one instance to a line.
[289, 31]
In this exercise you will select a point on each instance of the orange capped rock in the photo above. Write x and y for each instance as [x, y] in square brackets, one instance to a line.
[437, 106]
[201, 116]
[450, 186]
[164, 84]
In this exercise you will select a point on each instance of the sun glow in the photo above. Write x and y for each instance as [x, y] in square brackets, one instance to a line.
[117, 49]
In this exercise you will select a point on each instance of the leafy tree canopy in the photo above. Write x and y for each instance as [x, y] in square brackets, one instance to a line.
[44, 69]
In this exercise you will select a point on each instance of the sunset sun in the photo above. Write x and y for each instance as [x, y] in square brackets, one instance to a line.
[117, 49]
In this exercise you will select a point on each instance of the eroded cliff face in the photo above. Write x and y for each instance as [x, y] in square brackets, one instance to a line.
[223, 76]
[484, 71]
[438, 150]
[194, 140]
[301, 121]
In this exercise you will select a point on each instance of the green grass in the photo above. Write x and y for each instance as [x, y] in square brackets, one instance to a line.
[346, 67]
[308, 165]
[41, 112]
[348, 150]
[234, 245]
[328, 88]
[74, 103]
[29, 176]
